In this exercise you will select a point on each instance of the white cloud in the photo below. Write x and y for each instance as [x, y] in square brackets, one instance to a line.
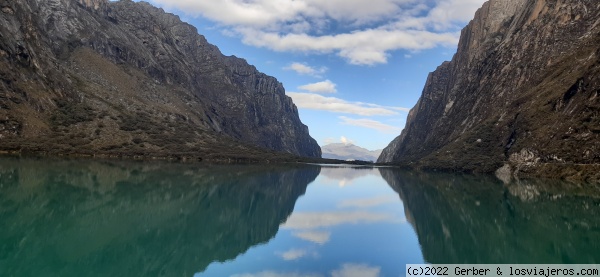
[371, 124]
[387, 107]
[361, 47]
[304, 69]
[259, 13]
[326, 86]
[346, 141]
[448, 11]
[371, 28]
[356, 270]
[318, 237]
[332, 104]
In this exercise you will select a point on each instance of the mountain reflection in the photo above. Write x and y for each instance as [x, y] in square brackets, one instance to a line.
[472, 219]
[89, 218]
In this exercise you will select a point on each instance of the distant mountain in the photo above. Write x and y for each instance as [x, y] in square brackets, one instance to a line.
[349, 151]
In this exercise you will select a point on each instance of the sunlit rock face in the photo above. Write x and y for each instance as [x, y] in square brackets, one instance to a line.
[525, 79]
[96, 76]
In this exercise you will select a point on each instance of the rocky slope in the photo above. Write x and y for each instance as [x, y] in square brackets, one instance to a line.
[343, 151]
[126, 78]
[522, 94]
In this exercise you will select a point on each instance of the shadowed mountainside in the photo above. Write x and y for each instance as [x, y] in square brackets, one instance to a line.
[125, 78]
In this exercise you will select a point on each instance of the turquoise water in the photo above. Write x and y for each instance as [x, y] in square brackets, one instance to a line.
[113, 218]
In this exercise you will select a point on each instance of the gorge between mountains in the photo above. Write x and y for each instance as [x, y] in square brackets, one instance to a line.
[520, 97]
[131, 146]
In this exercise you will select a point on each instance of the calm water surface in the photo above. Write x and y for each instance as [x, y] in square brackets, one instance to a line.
[94, 218]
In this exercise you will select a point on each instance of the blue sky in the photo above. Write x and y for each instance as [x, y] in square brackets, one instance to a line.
[353, 67]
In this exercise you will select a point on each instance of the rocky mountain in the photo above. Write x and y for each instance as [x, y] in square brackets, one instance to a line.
[520, 97]
[348, 151]
[126, 78]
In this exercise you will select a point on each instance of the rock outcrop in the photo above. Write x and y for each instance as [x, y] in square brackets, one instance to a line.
[522, 93]
[126, 78]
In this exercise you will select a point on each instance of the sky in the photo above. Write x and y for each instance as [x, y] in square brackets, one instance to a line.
[354, 68]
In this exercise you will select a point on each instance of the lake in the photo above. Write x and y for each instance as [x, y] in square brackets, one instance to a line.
[126, 218]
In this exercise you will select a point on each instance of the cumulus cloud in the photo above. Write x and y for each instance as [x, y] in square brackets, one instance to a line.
[371, 124]
[362, 47]
[304, 69]
[326, 86]
[448, 11]
[332, 104]
[345, 140]
[370, 30]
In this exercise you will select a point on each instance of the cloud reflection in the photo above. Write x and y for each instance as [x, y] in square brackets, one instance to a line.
[356, 270]
[367, 202]
[318, 237]
[315, 220]
[344, 176]
[346, 270]
[277, 274]
[293, 254]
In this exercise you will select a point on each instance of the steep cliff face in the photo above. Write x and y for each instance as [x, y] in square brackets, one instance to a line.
[126, 77]
[521, 93]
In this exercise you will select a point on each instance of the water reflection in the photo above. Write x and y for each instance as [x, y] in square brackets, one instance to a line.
[82, 218]
[469, 219]
[354, 230]
[344, 175]
[91, 218]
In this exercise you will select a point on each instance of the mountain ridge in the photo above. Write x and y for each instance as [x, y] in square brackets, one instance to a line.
[125, 78]
[520, 96]
[349, 151]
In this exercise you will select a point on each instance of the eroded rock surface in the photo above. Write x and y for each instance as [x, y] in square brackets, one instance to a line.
[93, 76]
[522, 90]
